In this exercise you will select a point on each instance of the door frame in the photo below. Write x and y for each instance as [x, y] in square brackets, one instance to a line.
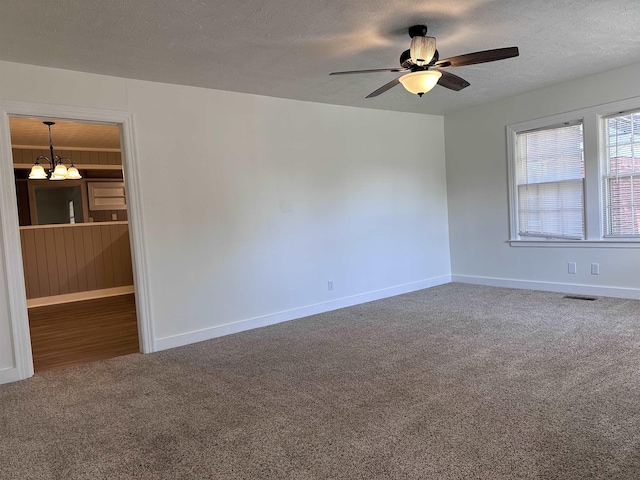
[10, 233]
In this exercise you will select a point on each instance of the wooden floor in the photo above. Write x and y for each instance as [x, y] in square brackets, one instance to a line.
[81, 332]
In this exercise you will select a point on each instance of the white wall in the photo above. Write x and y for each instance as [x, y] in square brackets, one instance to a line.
[476, 150]
[251, 204]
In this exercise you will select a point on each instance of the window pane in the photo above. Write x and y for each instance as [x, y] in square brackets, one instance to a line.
[550, 173]
[550, 155]
[624, 209]
[620, 160]
[551, 209]
[621, 194]
[622, 221]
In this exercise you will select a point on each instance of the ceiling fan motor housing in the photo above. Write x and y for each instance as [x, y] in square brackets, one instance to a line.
[422, 46]
[405, 59]
[406, 62]
[418, 31]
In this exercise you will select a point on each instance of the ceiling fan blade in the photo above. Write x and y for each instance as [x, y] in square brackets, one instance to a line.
[451, 81]
[399, 69]
[384, 88]
[478, 57]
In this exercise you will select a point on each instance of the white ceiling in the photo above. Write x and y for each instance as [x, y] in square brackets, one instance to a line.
[287, 48]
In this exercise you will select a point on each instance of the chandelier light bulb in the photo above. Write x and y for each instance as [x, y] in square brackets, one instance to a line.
[59, 171]
[37, 172]
[73, 173]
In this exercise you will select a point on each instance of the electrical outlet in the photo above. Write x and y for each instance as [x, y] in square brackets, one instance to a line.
[595, 269]
[114, 216]
[330, 284]
[572, 268]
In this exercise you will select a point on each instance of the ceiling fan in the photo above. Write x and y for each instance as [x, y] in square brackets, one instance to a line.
[424, 69]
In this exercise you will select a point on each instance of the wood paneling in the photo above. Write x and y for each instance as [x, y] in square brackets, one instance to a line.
[108, 215]
[22, 194]
[79, 157]
[64, 259]
[81, 332]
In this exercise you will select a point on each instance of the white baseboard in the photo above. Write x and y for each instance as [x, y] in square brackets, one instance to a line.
[573, 288]
[263, 321]
[8, 375]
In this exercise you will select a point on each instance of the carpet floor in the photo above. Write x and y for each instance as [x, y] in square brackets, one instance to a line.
[452, 382]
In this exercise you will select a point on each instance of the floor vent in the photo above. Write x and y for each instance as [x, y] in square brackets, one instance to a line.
[580, 297]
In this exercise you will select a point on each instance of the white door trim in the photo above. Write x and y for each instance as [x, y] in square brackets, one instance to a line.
[10, 236]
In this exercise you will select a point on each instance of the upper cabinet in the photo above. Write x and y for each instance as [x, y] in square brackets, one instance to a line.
[106, 196]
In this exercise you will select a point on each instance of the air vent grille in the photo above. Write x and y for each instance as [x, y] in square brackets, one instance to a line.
[580, 297]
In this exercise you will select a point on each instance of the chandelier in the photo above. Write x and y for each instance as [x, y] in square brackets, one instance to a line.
[57, 169]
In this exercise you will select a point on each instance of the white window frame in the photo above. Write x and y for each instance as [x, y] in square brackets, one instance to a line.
[594, 164]
[607, 175]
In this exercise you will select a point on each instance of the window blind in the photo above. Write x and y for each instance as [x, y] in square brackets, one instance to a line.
[621, 179]
[550, 182]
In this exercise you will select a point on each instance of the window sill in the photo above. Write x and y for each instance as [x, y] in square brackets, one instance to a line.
[618, 243]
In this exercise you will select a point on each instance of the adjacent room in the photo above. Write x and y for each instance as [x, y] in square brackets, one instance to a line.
[319, 239]
[74, 237]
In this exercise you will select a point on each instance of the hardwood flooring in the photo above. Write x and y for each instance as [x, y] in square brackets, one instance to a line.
[81, 332]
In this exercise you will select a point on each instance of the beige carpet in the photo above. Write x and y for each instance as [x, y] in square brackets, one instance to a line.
[453, 382]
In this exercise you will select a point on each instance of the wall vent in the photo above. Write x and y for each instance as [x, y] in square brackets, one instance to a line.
[580, 297]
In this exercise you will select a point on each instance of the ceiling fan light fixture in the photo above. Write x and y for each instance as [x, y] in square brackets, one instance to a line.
[420, 82]
[422, 50]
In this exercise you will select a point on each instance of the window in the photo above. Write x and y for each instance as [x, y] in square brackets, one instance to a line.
[550, 178]
[574, 179]
[621, 179]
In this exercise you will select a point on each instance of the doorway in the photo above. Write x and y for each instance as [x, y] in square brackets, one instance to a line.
[16, 357]
[74, 235]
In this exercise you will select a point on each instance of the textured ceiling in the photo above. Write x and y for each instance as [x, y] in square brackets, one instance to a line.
[31, 132]
[287, 48]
